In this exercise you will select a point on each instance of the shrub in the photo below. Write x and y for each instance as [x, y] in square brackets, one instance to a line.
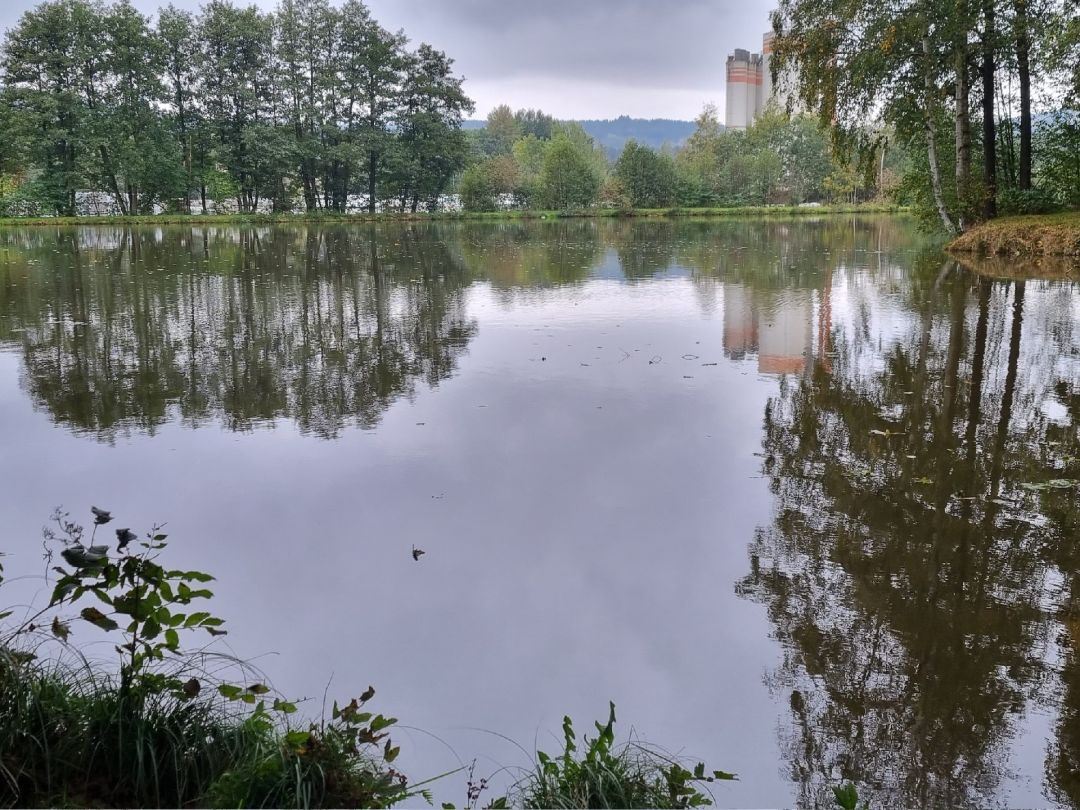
[567, 178]
[1015, 201]
[477, 189]
[648, 177]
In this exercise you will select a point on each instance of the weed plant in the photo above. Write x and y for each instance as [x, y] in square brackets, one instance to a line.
[162, 731]
[609, 775]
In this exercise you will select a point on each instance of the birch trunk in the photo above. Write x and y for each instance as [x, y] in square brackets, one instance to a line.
[931, 137]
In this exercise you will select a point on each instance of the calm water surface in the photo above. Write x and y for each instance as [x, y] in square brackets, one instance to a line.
[759, 483]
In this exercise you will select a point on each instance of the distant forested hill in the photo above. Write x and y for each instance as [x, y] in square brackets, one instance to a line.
[613, 134]
[654, 132]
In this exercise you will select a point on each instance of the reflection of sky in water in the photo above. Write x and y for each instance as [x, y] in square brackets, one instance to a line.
[585, 483]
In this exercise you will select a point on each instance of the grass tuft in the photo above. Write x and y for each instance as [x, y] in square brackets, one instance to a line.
[608, 775]
[71, 737]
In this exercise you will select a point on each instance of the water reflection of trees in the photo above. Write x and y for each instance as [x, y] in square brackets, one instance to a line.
[128, 328]
[323, 326]
[907, 572]
[528, 254]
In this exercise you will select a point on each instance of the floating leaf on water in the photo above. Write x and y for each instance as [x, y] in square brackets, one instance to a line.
[923, 480]
[1053, 483]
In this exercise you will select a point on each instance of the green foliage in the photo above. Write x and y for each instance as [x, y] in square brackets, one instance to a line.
[846, 796]
[1057, 153]
[69, 737]
[477, 189]
[311, 101]
[430, 136]
[647, 177]
[148, 604]
[567, 178]
[779, 159]
[154, 736]
[325, 765]
[610, 776]
[1027, 201]
[535, 123]
[928, 74]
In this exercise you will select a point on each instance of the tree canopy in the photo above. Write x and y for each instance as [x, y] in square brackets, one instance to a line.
[938, 75]
[309, 102]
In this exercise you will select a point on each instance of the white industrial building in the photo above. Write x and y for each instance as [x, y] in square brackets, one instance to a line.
[749, 85]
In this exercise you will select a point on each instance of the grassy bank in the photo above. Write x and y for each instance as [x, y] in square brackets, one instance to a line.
[163, 727]
[1045, 235]
[75, 737]
[454, 216]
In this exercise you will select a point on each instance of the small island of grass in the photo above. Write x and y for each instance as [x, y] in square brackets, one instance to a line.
[1039, 235]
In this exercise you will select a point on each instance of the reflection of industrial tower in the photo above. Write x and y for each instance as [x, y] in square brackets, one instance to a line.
[778, 325]
[749, 85]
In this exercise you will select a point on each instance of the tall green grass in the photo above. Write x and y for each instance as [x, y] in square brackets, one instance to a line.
[70, 737]
[607, 775]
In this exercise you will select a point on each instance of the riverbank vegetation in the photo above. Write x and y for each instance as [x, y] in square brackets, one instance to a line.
[528, 160]
[1052, 235]
[983, 96]
[162, 727]
[316, 108]
[507, 215]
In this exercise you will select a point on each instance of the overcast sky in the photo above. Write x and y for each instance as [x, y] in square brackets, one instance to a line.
[571, 58]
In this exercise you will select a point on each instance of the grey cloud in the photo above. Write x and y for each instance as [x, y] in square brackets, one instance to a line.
[623, 42]
[574, 58]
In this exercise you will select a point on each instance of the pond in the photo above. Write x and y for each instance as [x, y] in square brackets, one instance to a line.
[799, 496]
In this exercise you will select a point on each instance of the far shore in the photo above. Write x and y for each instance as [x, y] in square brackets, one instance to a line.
[329, 217]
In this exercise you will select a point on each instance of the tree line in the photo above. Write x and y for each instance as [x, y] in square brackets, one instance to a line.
[526, 159]
[958, 82]
[309, 102]
[318, 107]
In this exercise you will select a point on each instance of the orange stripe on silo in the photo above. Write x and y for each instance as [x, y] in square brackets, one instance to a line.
[775, 364]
